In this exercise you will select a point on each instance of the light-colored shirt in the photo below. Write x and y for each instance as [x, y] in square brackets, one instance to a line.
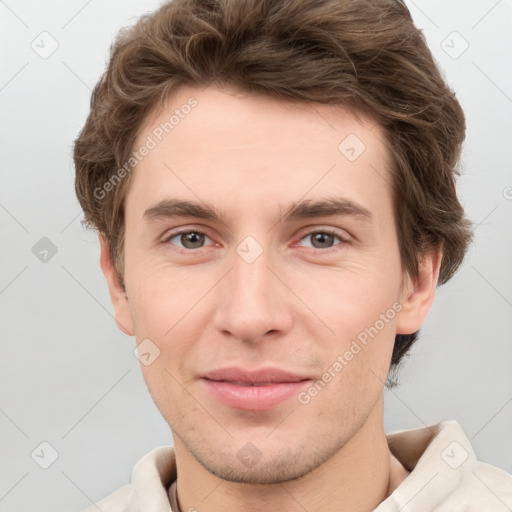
[445, 476]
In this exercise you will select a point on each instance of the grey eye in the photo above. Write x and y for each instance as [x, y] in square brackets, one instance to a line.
[321, 239]
[189, 239]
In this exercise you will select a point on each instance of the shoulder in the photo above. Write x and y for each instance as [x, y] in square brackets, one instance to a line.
[445, 474]
[147, 492]
[487, 485]
[121, 500]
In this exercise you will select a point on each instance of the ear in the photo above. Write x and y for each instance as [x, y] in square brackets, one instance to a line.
[418, 294]
[118, 295]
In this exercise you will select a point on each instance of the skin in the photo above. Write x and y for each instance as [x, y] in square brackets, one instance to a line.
[297, 306]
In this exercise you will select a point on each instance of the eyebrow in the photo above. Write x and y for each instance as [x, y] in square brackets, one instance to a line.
[169, 208]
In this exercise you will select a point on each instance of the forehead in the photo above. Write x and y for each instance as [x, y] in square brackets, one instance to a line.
[255, 149]
[247, 118]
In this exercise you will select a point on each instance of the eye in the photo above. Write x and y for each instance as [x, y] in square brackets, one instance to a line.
[324, 239]
[191, 239]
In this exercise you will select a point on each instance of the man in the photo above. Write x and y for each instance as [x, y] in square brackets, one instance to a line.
[274, 187]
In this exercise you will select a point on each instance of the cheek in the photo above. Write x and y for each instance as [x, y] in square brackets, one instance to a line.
[162, 294]
[169, 392]
[170, 306]
[349, 298]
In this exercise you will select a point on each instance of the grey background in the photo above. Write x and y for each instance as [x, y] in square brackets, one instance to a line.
[69, 377]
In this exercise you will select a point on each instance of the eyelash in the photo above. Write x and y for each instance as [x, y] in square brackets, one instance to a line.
[343, 241]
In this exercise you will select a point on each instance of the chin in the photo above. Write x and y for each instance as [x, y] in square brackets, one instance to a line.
[271, 473]
[248, 465]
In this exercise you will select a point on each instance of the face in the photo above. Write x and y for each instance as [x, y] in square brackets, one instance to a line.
[263, 279]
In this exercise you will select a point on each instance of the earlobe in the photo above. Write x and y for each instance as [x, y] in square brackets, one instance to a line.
[118, 296]
[418, 294]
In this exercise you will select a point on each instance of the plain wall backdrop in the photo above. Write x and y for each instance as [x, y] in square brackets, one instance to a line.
[69, 378]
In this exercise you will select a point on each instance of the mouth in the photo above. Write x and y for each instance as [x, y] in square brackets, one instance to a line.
[258, 390]
[239, 383]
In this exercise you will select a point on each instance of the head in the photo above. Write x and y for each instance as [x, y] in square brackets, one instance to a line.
[318, 143]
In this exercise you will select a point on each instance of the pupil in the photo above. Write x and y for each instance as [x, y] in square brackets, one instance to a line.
[322, 238]
[195, 240]
[192, 240]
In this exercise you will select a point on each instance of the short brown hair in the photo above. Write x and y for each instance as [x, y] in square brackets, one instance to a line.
[365, 54]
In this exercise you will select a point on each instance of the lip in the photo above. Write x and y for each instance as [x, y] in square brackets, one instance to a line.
[253, 390]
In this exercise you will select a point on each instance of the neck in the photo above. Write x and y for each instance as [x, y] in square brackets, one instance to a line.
[357, 478]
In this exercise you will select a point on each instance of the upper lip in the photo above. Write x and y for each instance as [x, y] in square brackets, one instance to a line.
[262, 375]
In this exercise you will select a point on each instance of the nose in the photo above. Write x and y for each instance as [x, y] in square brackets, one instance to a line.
[253, 302]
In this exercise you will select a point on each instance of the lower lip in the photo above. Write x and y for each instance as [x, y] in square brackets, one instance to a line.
[253, 398]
